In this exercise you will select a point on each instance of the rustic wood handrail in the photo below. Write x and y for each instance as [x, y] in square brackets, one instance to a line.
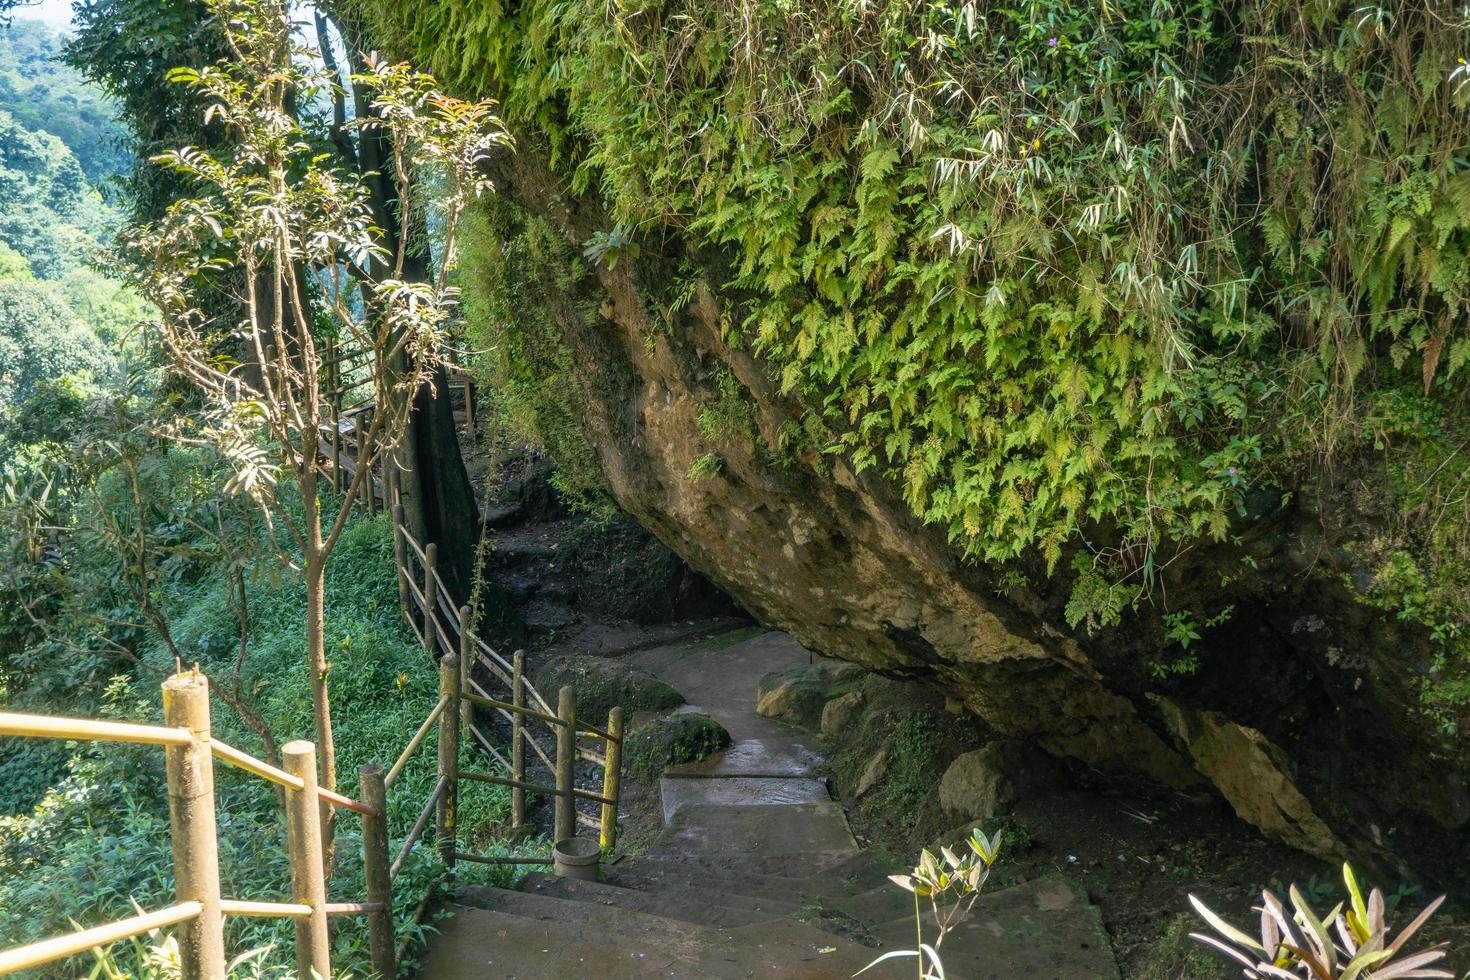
[89, 729]
[414, 743]
[60, 947]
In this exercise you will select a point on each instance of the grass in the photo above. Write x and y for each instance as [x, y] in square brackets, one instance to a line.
[98, 839]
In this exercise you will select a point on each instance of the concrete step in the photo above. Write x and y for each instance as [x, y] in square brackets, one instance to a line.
[737, 791]
[477, 944]
[705, 907]
[844, 875]
[791, 756]
[545, 907]
[811, 835]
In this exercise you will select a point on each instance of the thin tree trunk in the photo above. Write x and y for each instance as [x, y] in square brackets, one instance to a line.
[316, 658]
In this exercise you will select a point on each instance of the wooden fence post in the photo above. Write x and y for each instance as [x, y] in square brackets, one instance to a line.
[466, 665]
[304, 844]
[400, 558]
[566, 761]
[376, 866]
[612, 752]
[447, 817]
[191, 814]
[359, 438]
[518, 741]
[338, 483]
[469, 408]
[431, 595]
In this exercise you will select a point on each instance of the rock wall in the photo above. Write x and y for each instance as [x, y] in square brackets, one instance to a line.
[1333, 759]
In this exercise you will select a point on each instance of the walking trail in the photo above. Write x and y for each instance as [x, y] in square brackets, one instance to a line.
[756, 874]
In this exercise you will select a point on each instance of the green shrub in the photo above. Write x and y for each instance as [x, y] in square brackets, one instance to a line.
[672, 741]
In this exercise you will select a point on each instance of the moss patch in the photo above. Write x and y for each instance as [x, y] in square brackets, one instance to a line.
[673, 741]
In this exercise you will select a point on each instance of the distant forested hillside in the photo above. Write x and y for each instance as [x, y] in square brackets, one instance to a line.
[60, 142]
[42, 93]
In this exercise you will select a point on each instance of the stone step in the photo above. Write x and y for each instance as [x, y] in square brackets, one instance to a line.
[709, 906]
[545, 907]
[649, 875]
[812, 835]
[478, 944]
[734, 791]
[789, 756]
[845, 875]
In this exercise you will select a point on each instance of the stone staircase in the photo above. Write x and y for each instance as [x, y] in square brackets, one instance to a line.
[756, 874]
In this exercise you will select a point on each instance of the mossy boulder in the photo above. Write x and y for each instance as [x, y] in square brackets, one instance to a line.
[673, 741]
[800, 694]
[602, 683]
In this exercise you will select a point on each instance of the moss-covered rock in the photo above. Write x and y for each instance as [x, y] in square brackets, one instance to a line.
[673, 741]
[800, 694]
[602, 683]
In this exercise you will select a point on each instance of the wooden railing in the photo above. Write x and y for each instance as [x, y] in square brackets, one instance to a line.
[190, 752]
[479, 673]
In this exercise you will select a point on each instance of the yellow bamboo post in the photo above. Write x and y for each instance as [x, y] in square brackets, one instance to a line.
[431, 564]
[446, 818]
[469, 408]
[518, 740]
[466, 665]
[566, 760]
[304, 844]
[376, 864]
[190, 770]
[612, 754]
[400, 558]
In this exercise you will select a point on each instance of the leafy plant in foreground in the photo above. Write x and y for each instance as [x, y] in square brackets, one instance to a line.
[1349, 943]
[952, 887]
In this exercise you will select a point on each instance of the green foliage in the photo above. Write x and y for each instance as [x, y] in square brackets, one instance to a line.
[40, 339]
[48, 212]
[1045, 265]
[41, 92]
[509, 261]
[1353, 940]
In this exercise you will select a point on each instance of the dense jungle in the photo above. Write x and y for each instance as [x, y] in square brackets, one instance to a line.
[1017, 447]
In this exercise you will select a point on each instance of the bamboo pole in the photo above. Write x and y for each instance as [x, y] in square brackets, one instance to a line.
[59, 947]
[334, 380]
[518, 742]
[190, 770]
[469, 409]
[359, 441]
[566, 760]
[466, 662]
[375, 867]
[444, 824]
[612, 777]
[47, 726]
[308, 877]
[431, 564]
[400, 558]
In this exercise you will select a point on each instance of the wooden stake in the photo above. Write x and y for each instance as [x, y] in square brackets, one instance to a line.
[431, 596]
[308, 876]
[518, 740]
[612, 776]
[469, 408]
[400, 557]
[365, 475]
[190, 770]
[448, 758]
[375, 861]
[466, 663]
[566, 760]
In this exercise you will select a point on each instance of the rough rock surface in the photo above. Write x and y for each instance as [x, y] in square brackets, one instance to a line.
[800, 695]
[808, 544]
[1254, 775]
[874, 772]
[978, 785]
[840, 712]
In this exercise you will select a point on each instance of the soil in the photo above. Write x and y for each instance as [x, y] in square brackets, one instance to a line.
[590, 585]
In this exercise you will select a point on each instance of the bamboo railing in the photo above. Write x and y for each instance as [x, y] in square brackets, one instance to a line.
[190, 753]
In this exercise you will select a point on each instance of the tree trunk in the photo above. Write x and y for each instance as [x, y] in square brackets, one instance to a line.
[316, 658]
[438, 501]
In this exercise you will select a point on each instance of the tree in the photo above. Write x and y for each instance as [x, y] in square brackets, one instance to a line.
[40, 338]
[294, 239]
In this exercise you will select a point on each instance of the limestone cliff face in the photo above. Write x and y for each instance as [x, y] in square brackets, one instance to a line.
[1310, 752]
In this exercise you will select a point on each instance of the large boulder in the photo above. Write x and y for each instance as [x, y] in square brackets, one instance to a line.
[800, 694]
[984, 782]
[673, 741]
[603, 682]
